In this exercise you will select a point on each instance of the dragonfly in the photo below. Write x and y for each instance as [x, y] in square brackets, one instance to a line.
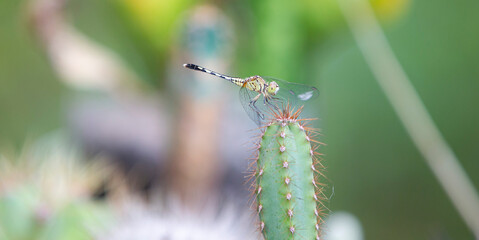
[262, 95]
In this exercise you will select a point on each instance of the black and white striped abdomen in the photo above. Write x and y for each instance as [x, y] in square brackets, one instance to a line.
[202, 69]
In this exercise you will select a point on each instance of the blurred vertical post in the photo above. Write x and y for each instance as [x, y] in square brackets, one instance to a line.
[196, 167]
[411, 111]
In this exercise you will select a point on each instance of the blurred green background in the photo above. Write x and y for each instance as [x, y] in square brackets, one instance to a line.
[375, 170]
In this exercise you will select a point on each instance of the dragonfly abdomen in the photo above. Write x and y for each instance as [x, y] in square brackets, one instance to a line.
[237, 81]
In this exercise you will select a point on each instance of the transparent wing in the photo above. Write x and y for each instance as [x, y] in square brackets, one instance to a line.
[295, 94]
[258, 111]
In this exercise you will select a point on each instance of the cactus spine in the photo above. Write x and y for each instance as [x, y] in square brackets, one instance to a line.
[287, 192]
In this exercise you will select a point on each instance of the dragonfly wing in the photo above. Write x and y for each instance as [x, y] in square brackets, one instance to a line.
[258, 111]
[294, 93]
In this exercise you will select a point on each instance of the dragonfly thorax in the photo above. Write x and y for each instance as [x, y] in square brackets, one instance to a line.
[255, 84]
[259, 85]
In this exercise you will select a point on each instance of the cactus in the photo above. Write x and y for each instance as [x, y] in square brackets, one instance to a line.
[288, 193]
[146, 220]
[46, 193]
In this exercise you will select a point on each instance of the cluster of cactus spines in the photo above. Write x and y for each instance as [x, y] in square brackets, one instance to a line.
[46, 192]
[289, 195]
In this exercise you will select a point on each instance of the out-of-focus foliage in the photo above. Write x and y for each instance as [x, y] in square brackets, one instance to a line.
[376, 172]
[47, 193]
[285, 34]
[325, 15]
[29, 91]
[156, 19]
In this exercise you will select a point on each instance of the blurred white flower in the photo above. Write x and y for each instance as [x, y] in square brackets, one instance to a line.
[343, 226]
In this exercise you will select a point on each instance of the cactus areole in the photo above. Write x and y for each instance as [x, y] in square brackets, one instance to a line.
[288, 193]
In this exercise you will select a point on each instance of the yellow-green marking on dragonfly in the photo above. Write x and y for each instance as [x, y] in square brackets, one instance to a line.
[274, 93]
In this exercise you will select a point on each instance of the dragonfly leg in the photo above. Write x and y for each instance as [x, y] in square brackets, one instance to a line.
[283, 102]
[267, 100]
[252, 105]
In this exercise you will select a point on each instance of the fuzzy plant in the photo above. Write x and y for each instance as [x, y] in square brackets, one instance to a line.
[46, 193]
[165, 217]
[287, 188]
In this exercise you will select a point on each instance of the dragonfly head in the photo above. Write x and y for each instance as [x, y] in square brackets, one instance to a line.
[272, 88]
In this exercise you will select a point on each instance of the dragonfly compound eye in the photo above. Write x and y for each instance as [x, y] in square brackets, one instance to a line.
[273, 88]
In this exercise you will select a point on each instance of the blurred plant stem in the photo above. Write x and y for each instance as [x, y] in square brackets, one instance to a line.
[411, 111]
